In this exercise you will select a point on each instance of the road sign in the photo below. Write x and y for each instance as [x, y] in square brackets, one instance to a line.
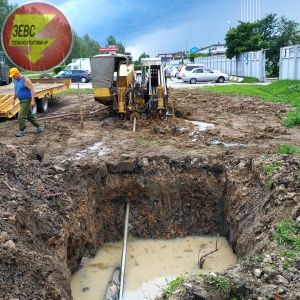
[37, 36]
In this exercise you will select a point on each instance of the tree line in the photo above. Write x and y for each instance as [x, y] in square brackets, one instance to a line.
[270, 33]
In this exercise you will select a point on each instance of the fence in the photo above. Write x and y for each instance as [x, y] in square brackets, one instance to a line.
[174, 62]
[289, 63]
[251, 64]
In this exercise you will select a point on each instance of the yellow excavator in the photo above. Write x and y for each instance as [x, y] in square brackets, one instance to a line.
[128, 94]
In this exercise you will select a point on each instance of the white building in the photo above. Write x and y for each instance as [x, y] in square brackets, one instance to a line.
[216, 49]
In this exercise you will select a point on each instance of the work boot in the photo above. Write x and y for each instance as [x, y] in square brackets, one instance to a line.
[20, 133]
[39, 130]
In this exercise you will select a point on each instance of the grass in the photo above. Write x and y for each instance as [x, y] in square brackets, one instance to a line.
[269, 169]
[288, 238]
[221, 283]
[172, 286]
[287, 149]
[35, 74]
[282, 91]
[249, 79]
[291, 118]
[73, 91]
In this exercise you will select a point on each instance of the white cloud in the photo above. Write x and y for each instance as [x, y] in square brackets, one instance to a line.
[148, 25]
[179, 38]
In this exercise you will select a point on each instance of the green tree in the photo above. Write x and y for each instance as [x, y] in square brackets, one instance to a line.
[143, 55]
[83, 47]
[121, 48]
[279, 32]
[5, 9]
[137, 63]
[271, 33]
[243, 38]
[111, 41]
[90, 47]
[192, 56]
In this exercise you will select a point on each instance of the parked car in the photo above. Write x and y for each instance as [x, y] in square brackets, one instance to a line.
[76, 75]
[187, 68]
[168, 71]
[174, 70]
[204, 74]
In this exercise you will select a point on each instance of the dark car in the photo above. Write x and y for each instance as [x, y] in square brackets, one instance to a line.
[4, 69]
[76, 75]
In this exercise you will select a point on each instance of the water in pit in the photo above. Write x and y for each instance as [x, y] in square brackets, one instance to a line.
[150, 263]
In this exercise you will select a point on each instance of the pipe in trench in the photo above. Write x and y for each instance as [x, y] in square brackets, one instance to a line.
[124, 250]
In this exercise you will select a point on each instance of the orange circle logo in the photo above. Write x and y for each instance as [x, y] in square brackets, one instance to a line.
[37, 36]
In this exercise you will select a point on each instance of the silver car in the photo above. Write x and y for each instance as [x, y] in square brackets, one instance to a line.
[204, 74]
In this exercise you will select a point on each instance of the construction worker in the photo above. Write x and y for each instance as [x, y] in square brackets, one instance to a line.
[25, 93]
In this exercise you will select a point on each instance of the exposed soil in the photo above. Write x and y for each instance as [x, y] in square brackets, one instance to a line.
[63, 193]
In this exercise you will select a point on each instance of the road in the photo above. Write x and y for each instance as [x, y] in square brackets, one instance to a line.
[178, 84]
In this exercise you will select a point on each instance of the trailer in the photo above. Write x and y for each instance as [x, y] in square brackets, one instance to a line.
[44, 90]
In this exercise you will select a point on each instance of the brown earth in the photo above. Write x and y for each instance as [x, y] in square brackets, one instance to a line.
[63, 192]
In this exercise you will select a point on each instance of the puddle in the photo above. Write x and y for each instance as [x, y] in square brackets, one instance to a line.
[98, 148]
[227, 145]
[201, 126]
[150, 264]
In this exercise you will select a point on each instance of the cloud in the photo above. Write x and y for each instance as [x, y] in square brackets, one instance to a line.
[127, 20]
[182, 37]
[160, 25]
[154, 26]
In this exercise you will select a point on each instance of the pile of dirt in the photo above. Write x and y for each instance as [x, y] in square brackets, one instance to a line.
[239, 124]
[62, 194]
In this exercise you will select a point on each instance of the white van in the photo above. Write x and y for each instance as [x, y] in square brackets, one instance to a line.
[79, 64]
[187, 68]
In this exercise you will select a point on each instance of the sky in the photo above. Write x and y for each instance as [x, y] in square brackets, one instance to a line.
[161, 26]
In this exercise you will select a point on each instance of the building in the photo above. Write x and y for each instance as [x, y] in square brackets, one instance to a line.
[167, 57]
[216, 49]
[109, 49]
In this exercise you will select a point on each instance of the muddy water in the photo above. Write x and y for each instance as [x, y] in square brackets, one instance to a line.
[150, 263]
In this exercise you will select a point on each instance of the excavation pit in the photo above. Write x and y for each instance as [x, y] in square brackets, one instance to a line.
[168, 200]
[78, 206]
[58, 208]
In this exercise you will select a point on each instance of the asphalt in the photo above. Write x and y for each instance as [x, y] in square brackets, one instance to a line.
[179, 84]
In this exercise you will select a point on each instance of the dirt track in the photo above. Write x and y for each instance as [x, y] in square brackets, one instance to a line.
[62, 193]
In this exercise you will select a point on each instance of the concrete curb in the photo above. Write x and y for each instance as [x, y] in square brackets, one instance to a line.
[236, 79]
